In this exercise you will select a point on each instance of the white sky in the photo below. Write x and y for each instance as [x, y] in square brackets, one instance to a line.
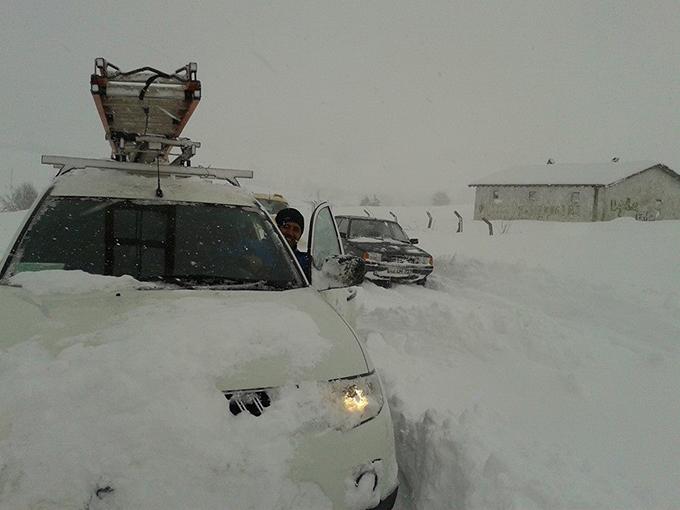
[407, 97]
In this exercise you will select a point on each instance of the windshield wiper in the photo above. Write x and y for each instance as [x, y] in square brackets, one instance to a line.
[245, 284]
[240, 285]
[219, 283]
[165, 282]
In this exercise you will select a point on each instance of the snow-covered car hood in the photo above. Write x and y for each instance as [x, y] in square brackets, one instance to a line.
[258, 338]
[110, 397]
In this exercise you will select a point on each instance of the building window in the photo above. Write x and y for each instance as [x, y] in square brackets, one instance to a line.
[532, 195]
[575, 196]
[495, 195]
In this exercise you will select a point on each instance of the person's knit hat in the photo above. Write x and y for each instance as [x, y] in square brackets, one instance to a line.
[290, 215]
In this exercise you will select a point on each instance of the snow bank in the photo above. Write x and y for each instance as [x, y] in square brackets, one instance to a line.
[538, 369]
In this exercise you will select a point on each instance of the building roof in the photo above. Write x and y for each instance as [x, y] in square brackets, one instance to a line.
[565, 174]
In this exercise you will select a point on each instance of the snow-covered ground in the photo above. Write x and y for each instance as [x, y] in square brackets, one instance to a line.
[538, 369]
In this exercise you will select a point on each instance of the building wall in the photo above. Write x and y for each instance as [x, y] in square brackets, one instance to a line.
[651, 195]
[546, 203]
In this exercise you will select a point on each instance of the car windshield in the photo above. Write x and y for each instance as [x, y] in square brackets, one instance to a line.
[179, 243]
[377, 229]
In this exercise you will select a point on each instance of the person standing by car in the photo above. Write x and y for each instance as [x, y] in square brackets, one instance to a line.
[292, 225]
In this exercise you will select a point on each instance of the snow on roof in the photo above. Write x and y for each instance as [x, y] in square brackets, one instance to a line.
[556, 174]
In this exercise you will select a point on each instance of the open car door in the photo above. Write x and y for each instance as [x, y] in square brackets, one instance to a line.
[325, 247]
[324, 236]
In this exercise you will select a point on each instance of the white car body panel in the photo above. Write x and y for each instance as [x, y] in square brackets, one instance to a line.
[331, 458]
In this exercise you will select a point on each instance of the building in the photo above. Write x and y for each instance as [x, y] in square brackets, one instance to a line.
[574, 192]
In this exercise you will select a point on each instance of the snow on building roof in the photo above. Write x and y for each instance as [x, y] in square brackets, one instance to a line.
[565, 174]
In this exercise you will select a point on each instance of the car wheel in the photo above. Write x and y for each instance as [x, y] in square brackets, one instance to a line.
[422, 282]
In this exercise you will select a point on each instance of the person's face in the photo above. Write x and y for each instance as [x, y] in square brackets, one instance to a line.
[292, 232]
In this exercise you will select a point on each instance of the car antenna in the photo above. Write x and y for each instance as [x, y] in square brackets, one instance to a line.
[159, 191]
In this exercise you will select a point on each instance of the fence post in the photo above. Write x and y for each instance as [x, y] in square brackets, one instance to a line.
[490, 226]
[429, 221]
[460, 221]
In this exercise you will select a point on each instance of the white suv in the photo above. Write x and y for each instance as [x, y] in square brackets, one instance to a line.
[199, 244]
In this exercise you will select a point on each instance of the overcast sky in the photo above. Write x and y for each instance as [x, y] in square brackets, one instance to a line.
[397, 97]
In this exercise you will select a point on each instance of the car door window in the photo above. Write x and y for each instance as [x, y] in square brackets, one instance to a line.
[324, 237]
[343, 225]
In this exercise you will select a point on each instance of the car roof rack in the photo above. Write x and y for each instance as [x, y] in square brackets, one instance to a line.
[66, 163]
[144, 111]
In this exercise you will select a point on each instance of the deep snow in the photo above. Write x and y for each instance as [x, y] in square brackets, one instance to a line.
[538, 369]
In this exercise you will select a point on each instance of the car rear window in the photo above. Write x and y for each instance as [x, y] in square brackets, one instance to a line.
[174, 242]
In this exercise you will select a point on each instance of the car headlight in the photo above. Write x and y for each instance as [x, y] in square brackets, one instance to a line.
[371, 256]
[355, 400]
[426, 260]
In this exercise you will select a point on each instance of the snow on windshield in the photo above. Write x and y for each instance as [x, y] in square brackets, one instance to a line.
[55, 281]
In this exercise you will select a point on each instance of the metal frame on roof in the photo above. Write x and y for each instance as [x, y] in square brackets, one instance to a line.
[66, 163]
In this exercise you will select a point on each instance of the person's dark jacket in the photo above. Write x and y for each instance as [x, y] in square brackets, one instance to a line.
[305, 260]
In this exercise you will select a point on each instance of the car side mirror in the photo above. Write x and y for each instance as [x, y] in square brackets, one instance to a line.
[414, 240]
[339, 271]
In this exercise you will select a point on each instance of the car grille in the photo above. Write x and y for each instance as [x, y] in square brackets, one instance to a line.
[413, 259]
[254, 402]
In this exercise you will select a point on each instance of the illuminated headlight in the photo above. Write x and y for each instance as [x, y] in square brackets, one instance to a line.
[371, 256]
[355, 400]
[426, 260]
